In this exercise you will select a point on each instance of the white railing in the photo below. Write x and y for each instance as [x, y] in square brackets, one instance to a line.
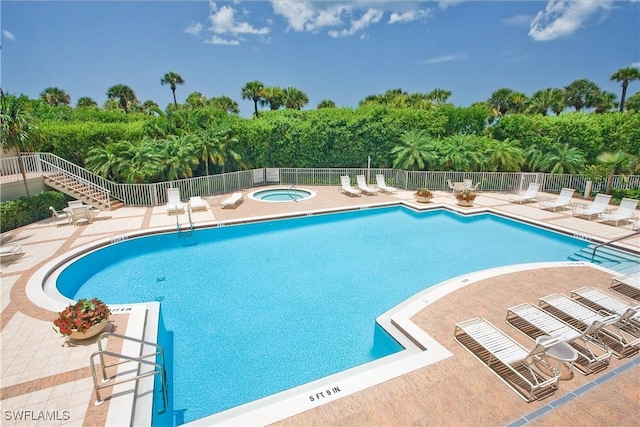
[156, 193]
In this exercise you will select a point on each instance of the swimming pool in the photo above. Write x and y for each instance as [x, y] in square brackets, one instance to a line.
[263, 307]
[283, 194]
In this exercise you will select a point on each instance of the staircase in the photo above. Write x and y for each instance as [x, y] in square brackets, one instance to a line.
[86, 191]
[608, 257]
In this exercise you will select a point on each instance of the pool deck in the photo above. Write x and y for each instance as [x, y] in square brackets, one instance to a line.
[42, 376]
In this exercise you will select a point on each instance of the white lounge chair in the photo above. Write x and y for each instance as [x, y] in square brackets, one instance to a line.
[599, 300]
[10, 253]
[197, 203]
[61, 218]
[508, 360]
[450, 185]
[174, 204]
[75, 203]
[346, 187]
[232, 201]
[627, 284]
[625, 212]
[593, 353]
[362, 185]
[563, 200]
[600, 204]
[616, 333]
[529, 196]
[382, 185]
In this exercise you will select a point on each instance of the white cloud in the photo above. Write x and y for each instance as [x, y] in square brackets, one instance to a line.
[217, 40]
[305, 16]
[223, 21]
[561, 18]
[635, 64]
[9, 35]
[370, 17]
[452, 57]
[408, 16]
[194, 29]
[518, 20]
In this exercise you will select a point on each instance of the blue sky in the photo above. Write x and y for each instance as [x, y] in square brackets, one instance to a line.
[338, 50]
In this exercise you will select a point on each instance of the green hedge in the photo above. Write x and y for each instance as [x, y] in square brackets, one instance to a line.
[23, 211]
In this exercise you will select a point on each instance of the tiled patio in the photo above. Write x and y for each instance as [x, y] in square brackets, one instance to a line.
[52, 380]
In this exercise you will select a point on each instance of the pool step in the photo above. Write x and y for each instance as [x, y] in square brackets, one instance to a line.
[611, 258]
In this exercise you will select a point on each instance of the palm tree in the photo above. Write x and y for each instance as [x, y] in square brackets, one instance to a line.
[503, 156]
[500, 100]
[633, 103]
[326, 103]
[107, 160]
[580, 94]
[124, 94]
[295, 98]
[55, 96]
[178, 155]
[563, 159]
[604, 101]
[615, 163]
[439, 96]
[86, 102]
[625, 75]
[172, 79]
[543, 100]
[196, 100]
[208, 146]
[415, 152]
[253, 91]
[273, 96]
[18, 130]
[462, 153]
[225, 103]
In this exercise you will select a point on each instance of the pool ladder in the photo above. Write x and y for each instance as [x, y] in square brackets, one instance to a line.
[293, 196]
[181, 232]
[157, 362]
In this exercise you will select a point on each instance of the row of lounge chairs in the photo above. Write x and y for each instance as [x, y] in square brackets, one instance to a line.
[598, 209]
[174, 203]
[363, 187]
[593, 323]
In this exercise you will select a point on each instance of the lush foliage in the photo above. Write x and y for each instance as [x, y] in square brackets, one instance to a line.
[26, 210]
[81, 316]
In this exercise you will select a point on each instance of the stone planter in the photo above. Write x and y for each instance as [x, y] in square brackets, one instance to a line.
[91, 332]
[423, 199]
[465, 203]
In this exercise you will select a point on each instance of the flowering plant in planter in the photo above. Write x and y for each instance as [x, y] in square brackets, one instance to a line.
[423, 192]
[466, 196]
[81, 316]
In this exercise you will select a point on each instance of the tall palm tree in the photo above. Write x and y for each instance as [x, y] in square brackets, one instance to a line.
[563, 159]
[500, 100]
[124, 95]
[55, 96]
[604, 101]
[542, 100]
[295, 98]
[580, 94]
[18, 130]
[172, 79]
[253, 91]
[273, 96]
[415, 152]
[625, 75]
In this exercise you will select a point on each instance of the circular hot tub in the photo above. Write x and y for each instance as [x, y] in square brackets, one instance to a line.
[283, 194]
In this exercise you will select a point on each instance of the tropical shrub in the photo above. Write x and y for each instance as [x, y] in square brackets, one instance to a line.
[19, 212]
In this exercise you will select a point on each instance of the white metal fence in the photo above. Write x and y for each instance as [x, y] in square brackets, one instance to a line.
[156, 193]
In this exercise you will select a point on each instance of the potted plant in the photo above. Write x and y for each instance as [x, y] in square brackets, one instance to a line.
[84, 319]
[466, 197]
[423, 195]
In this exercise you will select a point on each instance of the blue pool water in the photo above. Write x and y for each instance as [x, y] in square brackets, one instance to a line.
[255, 309]
[281, 195]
